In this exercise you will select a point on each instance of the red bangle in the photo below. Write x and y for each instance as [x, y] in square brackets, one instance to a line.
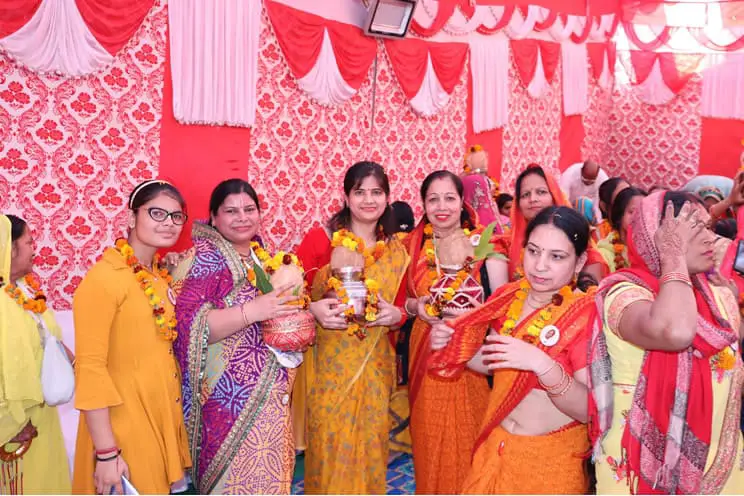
[106, 451]
[403, 316]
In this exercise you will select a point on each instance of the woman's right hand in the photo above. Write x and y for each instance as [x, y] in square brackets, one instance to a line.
[107, 476]
[271, 305]
[421, 311]
[674, 234]
[329, 313]
[441, 335]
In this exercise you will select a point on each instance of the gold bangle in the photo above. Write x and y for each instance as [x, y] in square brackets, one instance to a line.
[564, 390]
[548, 369]
[245, 317]
[557, 385]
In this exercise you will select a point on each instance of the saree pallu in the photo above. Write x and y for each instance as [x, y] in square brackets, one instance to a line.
[445, 413]
[349, 424]
[545, 464]
[235, 393]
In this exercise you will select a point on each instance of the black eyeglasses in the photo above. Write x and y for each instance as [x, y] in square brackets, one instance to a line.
[160, 215]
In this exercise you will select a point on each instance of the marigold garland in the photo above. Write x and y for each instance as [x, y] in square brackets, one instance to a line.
[541, 319]
[270, 265]
[618, 248]
[350, 241]
[36, 304]
[145, 279]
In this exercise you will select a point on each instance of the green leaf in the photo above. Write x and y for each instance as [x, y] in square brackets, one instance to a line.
[262, 280]
[485, 248]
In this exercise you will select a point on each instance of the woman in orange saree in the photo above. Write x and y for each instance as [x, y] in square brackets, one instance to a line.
[445, 412]
[535, 189]
[533, 438]
[348, 422]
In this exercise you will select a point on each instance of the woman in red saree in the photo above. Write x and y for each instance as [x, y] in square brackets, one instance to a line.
[445, 412]
[666, 373]
[534, 190]
[533, 438]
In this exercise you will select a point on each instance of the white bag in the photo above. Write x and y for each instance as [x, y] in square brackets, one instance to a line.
[57, 375]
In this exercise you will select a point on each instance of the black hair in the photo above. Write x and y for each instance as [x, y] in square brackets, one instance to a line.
[17, 227]
[445, 174]
[151, 189]
[606, 190]
[403, 214]
[726, 228]
[503, 199]
[531, 169]
[568, 220]
[620, 205]
[229, 187]
[352, 180]
[678, 199]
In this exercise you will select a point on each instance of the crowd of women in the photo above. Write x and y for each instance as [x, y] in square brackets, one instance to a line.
[619, 342]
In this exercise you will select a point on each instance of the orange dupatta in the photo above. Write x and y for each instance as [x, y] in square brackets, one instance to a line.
[511, 386]
[513, 241]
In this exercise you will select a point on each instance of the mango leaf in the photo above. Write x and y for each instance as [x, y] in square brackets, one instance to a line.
[485, 248]
[263, 284]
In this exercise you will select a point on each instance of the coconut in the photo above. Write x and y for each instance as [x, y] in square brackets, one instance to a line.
[455, 249]
[289, 275]
[477, 159]
[343, 257]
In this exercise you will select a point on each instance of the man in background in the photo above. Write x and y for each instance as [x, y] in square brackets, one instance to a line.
[584, 179]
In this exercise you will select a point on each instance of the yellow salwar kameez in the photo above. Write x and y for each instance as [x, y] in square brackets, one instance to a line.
[348, 422]
[626, 365]
[44, 466]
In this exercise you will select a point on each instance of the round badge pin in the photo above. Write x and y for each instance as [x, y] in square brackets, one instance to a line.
[550, 335]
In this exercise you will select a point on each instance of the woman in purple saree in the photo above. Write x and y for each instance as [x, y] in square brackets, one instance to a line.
[235, 390]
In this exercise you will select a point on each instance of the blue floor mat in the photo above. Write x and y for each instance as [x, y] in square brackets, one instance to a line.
[399, 476]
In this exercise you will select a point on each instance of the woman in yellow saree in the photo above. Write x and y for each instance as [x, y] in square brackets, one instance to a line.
[26, 422]
[666, 374]
[348, 422]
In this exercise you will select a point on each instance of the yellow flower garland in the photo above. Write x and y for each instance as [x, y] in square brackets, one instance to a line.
[350, 241]
[37, 304]
[564, 295]
[270, 265]
[145, 279]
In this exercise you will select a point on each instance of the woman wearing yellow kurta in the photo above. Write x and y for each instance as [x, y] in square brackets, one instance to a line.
[128, 382]
[348, 401]
[24, 417]
[666, 375]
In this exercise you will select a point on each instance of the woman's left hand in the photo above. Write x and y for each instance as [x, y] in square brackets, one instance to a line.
[387, 315]
[506, 352]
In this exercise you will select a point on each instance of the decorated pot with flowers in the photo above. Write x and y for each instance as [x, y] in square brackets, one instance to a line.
[350, 260]
[292, 332]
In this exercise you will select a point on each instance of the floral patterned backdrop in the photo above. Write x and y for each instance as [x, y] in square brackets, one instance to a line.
[533, 131]
[72, 149]
[300, 150]
[647, 144]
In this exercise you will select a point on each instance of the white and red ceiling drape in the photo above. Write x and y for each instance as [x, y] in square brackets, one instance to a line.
[68, 37]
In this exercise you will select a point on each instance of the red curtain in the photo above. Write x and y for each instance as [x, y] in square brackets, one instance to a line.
[300, 36]
[720, 146]
[409, 58]
[661, 40]
[676, 68]
[113, 22]
[571, 137]
[702, 38]
[525, 57]
[596, 53]
[16, 13]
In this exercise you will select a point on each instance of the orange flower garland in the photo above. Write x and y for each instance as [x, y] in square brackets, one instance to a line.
[434, 309]
[618, 249]
[37, 304]
[144, 278]
[352, 242]
[565, 294]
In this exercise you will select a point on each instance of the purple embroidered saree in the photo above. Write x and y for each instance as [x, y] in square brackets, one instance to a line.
[235, 393]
